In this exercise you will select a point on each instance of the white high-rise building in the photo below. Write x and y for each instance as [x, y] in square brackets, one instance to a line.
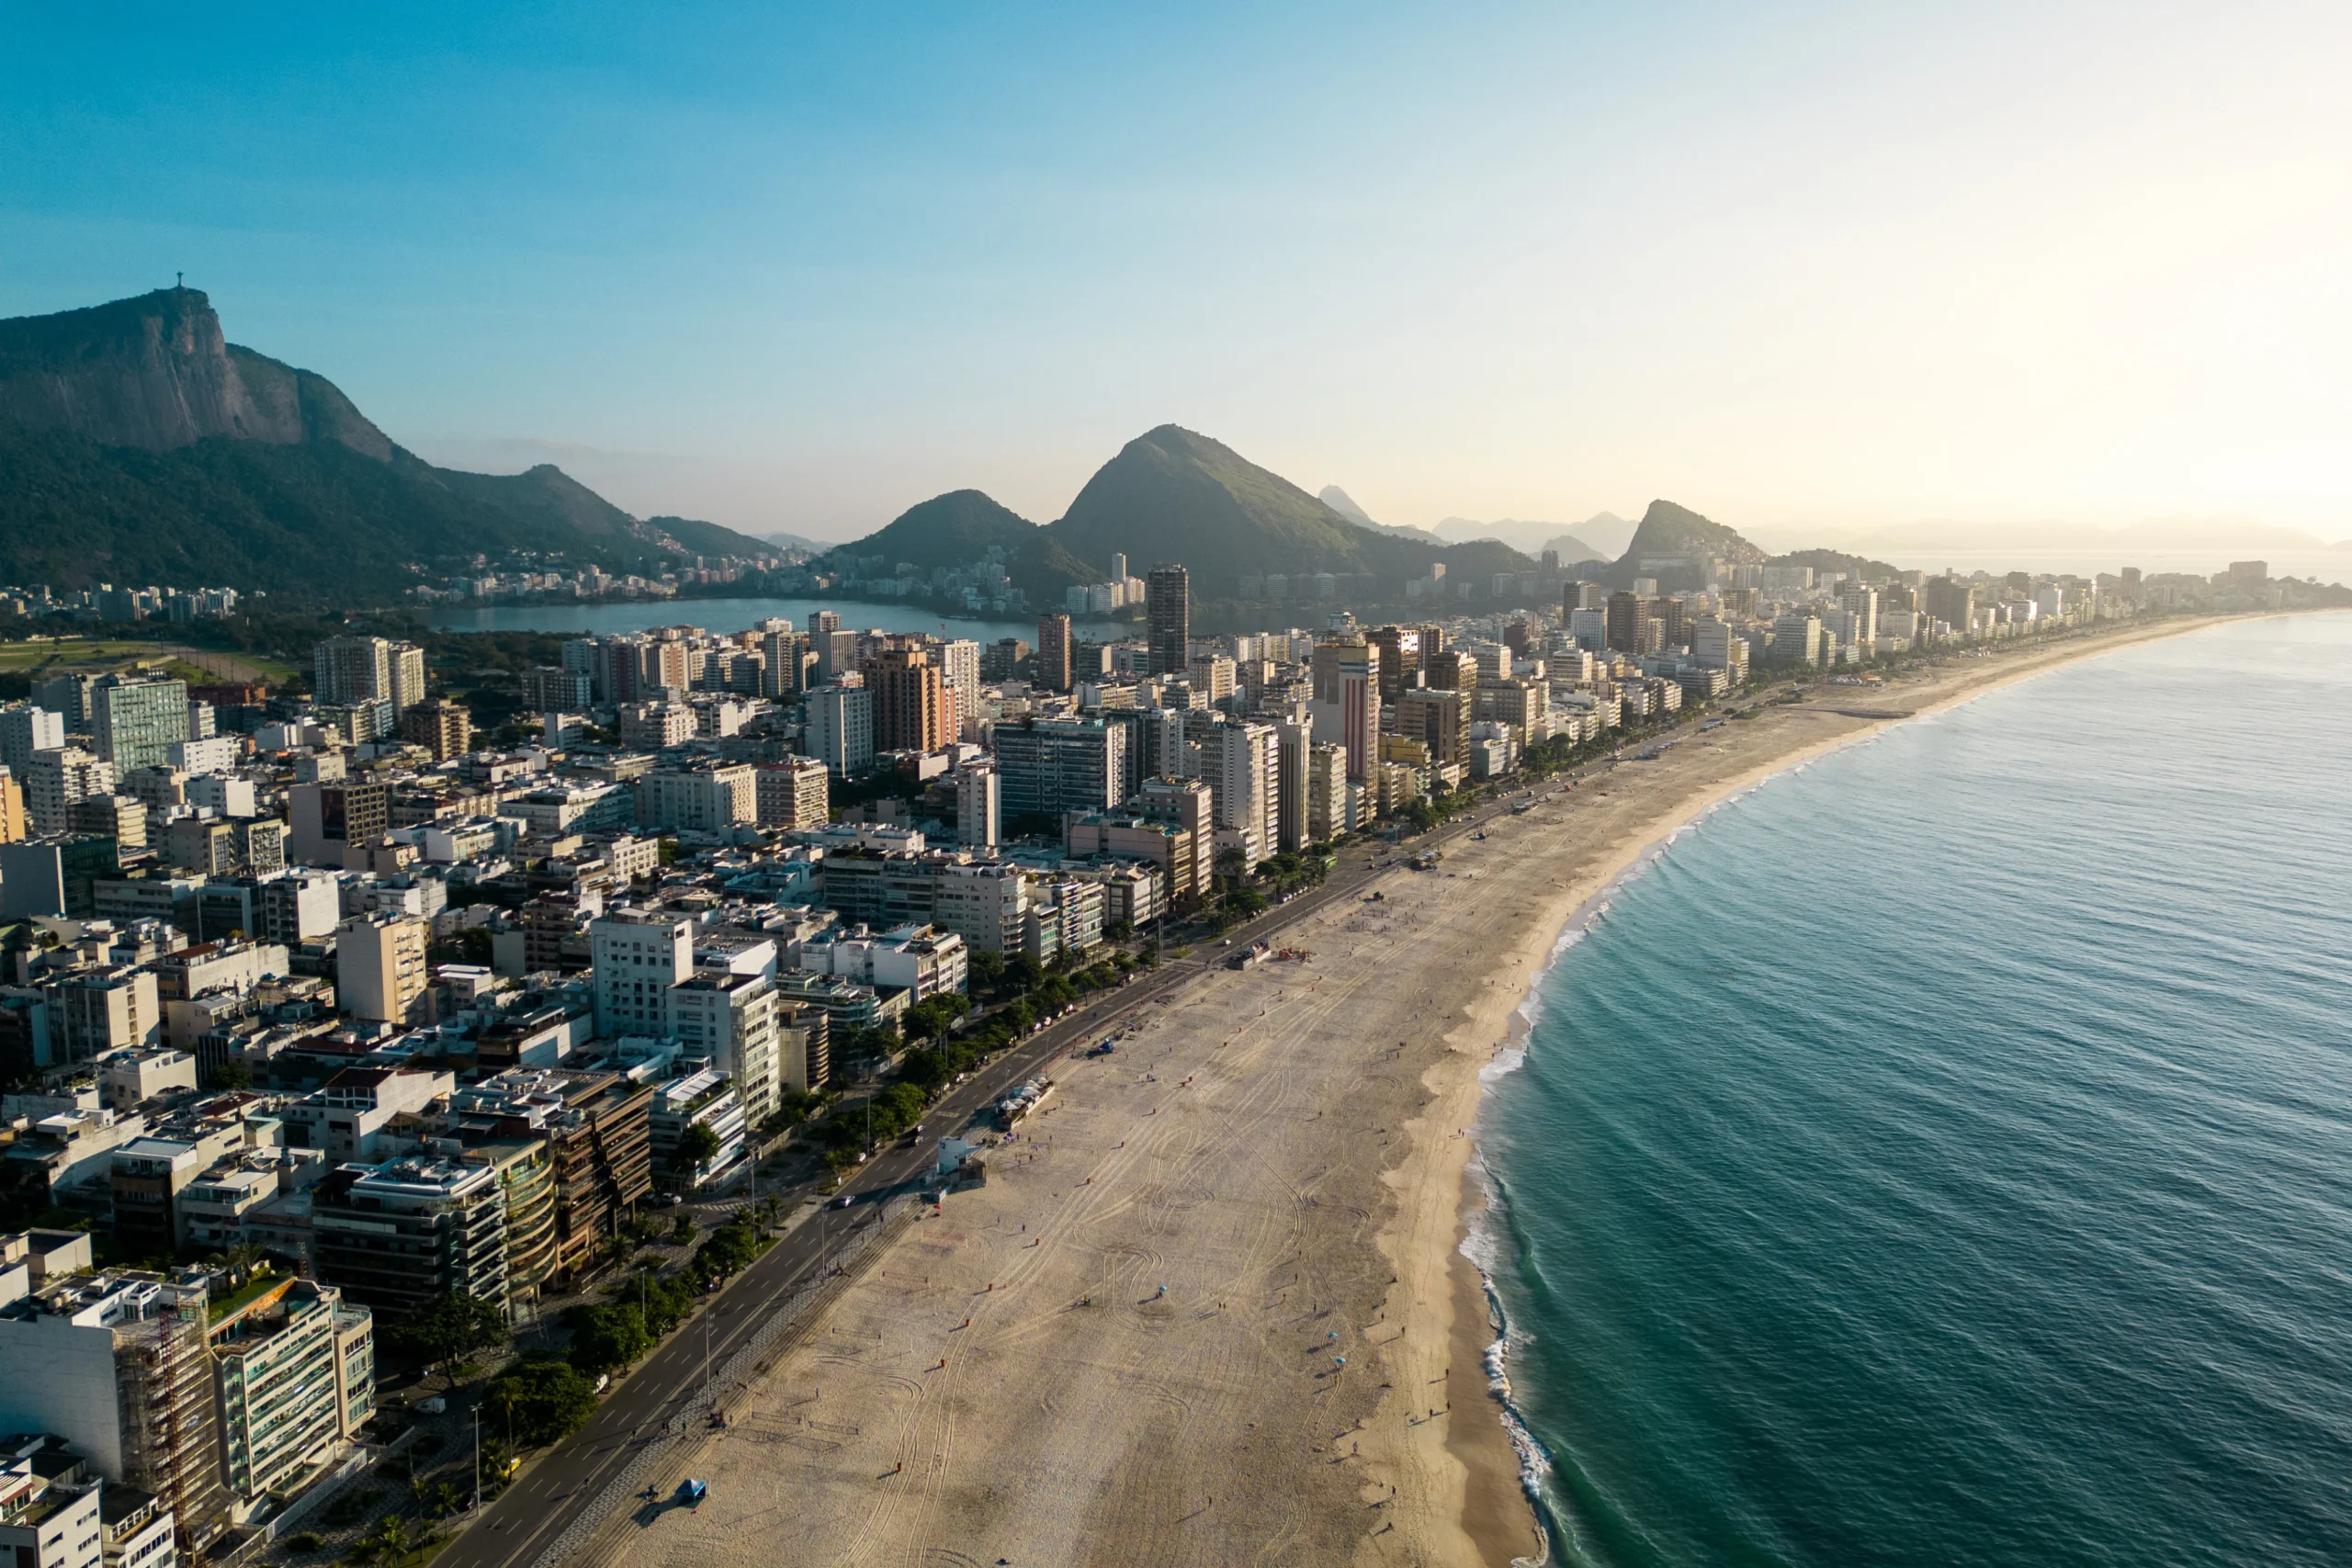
[407, 671]
[25, 729]
[731, 1020]
[710, 797]
[638, 955]
[1862, 604]
[365, 669]
[841, 728]
[1715, 644]
[979, 807]
[57, 778]
[1243, 765]
[959, 670]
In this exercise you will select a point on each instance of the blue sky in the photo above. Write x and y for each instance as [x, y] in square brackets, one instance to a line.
[1809, 265]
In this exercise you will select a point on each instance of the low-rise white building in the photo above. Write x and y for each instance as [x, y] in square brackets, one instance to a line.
[705, 1098]
[130, 1078]
[924, 961]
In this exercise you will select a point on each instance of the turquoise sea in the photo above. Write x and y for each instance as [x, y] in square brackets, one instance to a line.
[1942, 1153]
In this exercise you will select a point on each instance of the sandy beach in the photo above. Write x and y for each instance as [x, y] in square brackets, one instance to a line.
[1210, 1307]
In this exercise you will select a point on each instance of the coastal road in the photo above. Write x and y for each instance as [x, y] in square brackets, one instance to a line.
[512, 1532]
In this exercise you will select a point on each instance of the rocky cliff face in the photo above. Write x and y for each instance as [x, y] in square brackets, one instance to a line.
[155, 372]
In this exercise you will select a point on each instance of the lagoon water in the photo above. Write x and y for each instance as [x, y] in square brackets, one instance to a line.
[724, 615]
[1942, 1154]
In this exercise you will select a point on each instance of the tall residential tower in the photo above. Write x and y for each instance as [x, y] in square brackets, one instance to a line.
[1168, 620]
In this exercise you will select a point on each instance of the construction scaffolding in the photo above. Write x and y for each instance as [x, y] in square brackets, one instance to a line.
[171, 1431]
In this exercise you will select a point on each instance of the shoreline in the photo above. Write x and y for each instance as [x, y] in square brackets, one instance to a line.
[1484, 1445]
[1212, 1302]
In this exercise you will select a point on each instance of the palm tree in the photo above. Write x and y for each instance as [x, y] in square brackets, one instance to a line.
[388, 1542]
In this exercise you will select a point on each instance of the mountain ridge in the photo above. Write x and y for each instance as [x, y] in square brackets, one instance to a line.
[156, 372]
[1343, 503]
[137, 444]
[1175, 494]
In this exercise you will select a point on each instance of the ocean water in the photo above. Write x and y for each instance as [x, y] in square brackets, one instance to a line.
[1942, 1154]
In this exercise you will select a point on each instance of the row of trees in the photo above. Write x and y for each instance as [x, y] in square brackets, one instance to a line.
[1027, 993]
[640, 1311]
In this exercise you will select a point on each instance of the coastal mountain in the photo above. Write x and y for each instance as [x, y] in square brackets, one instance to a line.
[1573, 549]
[138, 446]
[1343, 503]
[1673, 543]
[156, 374]
[1175, 495]
[1839, 561]
[789, 543]
[963, 526]
[1171, 494]
[693, 537]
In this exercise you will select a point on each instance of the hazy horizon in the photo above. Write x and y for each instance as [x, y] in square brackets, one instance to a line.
[1826, 273]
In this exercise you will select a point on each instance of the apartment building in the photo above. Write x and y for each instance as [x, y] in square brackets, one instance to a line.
[702, 1098]
[595, 1125]
[380, 968]
[136, 723]
[346, 670]
[921, 960]
[55, 780]
[730, 1020]
[355, 1115]
[1047, 768]
[396, 1235]
[841, 727]
[50, 1508]
[791, 793]
[330, 821]
[710, 797]
[442, 727]
[638, 955]
[912, 709]
[296, 1374]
